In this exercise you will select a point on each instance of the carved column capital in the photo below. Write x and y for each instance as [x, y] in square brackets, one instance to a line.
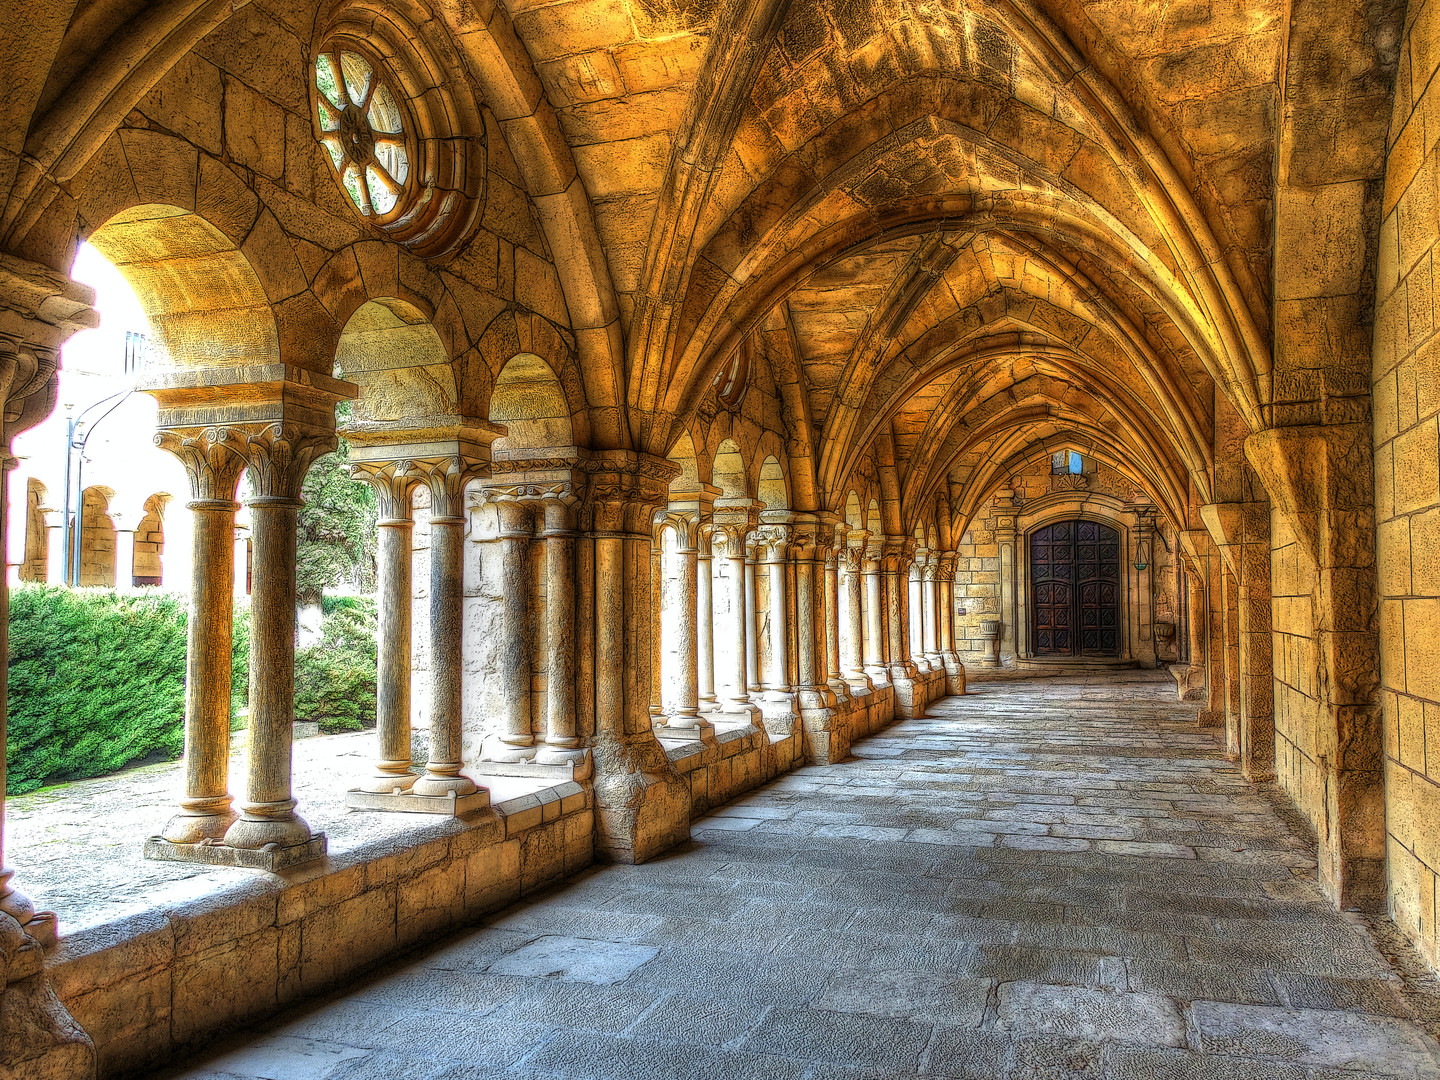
[278, 455]
[624, 491]
[211, 460]
[392, 482]
[898, 554]
[446, 478]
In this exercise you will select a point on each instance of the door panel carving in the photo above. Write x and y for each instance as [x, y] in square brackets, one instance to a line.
[1075, 589]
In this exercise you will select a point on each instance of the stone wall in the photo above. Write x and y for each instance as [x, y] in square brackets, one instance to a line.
[1292, 583]
[1406, 400]
[171, 979]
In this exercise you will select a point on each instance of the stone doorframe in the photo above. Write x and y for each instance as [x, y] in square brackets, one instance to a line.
[1128, 519]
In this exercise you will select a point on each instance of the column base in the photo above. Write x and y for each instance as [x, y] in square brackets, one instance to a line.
[642, 806]
[954, 675]
[193, 828]
[878, 674]
[701, 730]
[495, 748]
[779, 716]
[581, 768]
[407, 802]
[271, 857]
[576, 757]
[909, 697]
[388, 784]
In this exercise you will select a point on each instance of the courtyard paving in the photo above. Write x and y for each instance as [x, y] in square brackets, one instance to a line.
[1048, 878]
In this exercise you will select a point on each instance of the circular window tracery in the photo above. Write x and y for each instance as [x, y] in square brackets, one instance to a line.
[363, 129]
[403, 132]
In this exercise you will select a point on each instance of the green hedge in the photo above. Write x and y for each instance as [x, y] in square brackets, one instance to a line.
[335, 677]
[97, 679]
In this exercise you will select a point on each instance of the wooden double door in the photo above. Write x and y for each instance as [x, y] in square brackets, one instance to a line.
[1075, 590]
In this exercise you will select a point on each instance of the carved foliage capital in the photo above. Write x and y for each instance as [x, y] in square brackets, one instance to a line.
[211, 459]
[446, 478]
[392, 482]
[774, 539]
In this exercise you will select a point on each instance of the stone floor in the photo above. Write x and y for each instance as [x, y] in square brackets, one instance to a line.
[1049, 878]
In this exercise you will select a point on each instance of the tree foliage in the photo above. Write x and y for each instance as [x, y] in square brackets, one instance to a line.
[336, 536]
[335, 677]
[97, 682]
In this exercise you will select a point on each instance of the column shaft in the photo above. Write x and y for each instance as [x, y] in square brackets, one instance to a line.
[851, 663]
[442, 772]
[752, 627]
[393, 646]
[205, 809]
[875, 644]
[705, 630]
[777, 675]
[561, 739]
[268, 812]
[516, 739]
[739, 696]
[683, 706]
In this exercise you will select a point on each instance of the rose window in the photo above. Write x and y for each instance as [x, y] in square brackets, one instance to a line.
[363, 129]
[408, 150]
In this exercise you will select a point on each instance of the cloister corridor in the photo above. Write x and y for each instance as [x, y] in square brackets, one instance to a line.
[1056, 878]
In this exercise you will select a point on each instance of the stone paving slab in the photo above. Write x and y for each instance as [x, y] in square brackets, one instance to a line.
[954, 901]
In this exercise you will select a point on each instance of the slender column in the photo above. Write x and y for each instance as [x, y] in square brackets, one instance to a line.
[899, 554]
[752, 623]
[915, 636]
[728, 542]
[516, 742]
[561, 740]
[705, 624]
[807, 557]
[851, 662]
[954, 668]
[241, 563]
[392, 482]
[681, 703]
[12, 902]
[214, 471]
[775, 539]
[55, 553]
[1006, 536]
[875, 643]
[833, 674]
[446, 479]
[657, 603]
[930, 595]
[278, 458]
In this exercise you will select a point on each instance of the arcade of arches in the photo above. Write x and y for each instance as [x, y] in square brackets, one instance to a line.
[734, 378]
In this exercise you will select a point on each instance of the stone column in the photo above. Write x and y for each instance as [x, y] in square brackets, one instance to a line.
[775, 540]
[277, 457]
[446, 478]
[681, 695]
[393, 483]
[562, 742]
[1007, 538]
[915, 632]
[516, 740]
[213, 468]
[824, 742]
[930, 594]
[899, 553]
[642, 806]
[39, 310]
[705, 623]
[728, 542]
[876, 643]
[833, 555]
[851, 659]
[949, 658]
[1241, 531]
[1144, 647]
[752, 623]
[242, 562]
[55, 553]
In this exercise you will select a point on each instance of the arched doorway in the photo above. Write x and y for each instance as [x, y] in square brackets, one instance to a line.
[1075, 589]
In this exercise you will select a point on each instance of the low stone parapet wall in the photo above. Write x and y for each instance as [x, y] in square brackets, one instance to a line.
[172, 977]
